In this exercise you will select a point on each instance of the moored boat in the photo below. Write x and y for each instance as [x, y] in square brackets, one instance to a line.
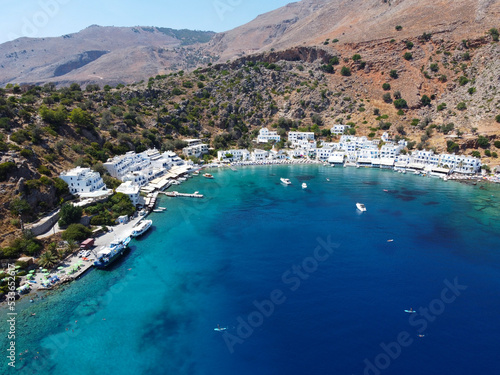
[141, 228]
[285, 181]
[304, 185]
[108, 254]
[361, 207]
[208, 175]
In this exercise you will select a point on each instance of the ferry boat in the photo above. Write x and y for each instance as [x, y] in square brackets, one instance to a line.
[208, 175]
[304, 185]
[141, 228]
[361, 207]
[108, 254]
[285, 181]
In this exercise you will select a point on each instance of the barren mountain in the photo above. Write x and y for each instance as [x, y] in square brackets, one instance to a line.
[311, 22]
[104, 55]
[111, 55]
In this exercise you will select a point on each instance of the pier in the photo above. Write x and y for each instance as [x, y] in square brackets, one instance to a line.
[174, 194]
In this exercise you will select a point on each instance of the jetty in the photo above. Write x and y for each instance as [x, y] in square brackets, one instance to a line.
[151, 200]
[174, 194]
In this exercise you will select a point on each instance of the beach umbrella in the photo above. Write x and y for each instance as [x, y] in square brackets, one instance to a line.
[60, 268]
[32, 271]
[17, 267]
[29, 277]
[45, 270]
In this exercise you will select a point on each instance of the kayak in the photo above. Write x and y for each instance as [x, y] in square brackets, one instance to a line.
[410, 311]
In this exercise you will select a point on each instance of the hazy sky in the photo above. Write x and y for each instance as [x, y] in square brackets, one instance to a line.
[42, 18]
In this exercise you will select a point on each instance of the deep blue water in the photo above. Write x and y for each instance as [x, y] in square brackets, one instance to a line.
[339, 287]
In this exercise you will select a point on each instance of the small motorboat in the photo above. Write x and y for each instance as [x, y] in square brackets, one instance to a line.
[304, 185]
[361, 207]
[285, 181]
[208, 175]
[411, 311]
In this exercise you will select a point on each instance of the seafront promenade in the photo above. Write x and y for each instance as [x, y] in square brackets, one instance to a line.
[74, 266]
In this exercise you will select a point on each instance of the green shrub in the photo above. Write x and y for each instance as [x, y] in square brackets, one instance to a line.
[408, 56]
[425, 100]
[409, 45]
[400, 103]
[5, 169]
[356, 57]
[44, 170]
[394, 74]
[461, 106]
[497, 118]
[483, 142]
[487, 152]
[76, 232]
[386, 86]
[494, 34]
[476, 154]
[345, 71]
[434, 67]
[27, 153]
[497, 144]
[387, 98]
[399, 27]
[463, 80]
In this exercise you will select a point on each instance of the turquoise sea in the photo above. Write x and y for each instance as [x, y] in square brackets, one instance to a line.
[304, 283]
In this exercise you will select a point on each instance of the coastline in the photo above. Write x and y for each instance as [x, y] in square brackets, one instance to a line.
[73, 260]
[122, 230]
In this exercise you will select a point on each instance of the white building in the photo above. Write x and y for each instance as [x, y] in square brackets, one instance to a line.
[259, 155]
[324, 153]
[84, 182]
[460, 163]
[131, 189]
[233, 155]
[265, 136]
[339, 129]
[192, 142]
[197, 150]
[337, 157]
[120, 165]
[295, 136]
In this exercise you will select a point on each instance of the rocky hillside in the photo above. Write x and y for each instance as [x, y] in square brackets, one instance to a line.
[103, 55]
[314, 22]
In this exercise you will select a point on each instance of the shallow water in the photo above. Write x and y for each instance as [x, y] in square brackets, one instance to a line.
[339, 287]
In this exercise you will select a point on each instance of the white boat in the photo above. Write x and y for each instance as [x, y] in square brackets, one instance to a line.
[141, 228]
[304, 185]
[208, 175]
[285, 181]
[158, 210]
[361, 207]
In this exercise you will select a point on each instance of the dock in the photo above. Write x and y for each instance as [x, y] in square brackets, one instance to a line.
[151, 200]
[174, 194]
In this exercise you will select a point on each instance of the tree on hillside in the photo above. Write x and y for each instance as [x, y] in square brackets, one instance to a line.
[76, 232]
[81, 118]
[69, 214]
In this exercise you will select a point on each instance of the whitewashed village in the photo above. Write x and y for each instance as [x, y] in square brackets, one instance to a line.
[151, 170]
